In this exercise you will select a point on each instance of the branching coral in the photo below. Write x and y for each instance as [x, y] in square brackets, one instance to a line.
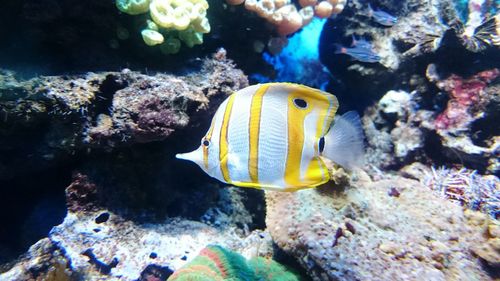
[171, 20]
[286, 16]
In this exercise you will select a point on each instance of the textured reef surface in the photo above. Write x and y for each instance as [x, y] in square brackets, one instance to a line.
[378, 229]
[90, 188]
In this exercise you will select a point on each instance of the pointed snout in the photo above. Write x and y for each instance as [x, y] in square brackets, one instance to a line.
[194, 156]
[183, 156]
[190, 156]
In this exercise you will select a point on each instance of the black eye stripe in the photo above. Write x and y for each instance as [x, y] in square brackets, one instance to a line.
[300, 103]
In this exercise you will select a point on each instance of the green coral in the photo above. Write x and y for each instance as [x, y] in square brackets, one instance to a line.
[215, 263]
[190, 37]
[184, 20]
[152, 37]
[268, 269]
[133, 7]
[170, 46]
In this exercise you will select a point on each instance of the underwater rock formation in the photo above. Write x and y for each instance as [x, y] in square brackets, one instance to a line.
[96, 126]
[95, 244]
[381, 230]
[45, 260]
[56, 117]
[418, 30]
[425, 32]
[427, 210]
[406, 127]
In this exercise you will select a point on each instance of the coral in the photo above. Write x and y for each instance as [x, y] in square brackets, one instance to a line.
[120, 249]
[214, 263]
[182, 19]
[412, 126]
[400, 47]
[467, 96]
[394, 105]
[489, 251]
[217, 263]
[268, 269]
[68, 114]
[466, 188]
[152, 37]
[133, 7]
[101, 240]
[378, 230]
[286, 16]
[392, 130]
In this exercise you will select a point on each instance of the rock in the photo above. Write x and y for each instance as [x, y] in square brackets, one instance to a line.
[81, 194]
[490, 250]
[45, 260]
[394, 104]
[393, 130]
[466, 125]
[88, 246]
[413, 236]
[410, 39]
[51, 118]
[402, 129]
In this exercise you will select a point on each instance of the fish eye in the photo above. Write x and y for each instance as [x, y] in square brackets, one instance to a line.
[321, 145]
[300, 103]
[205, 142]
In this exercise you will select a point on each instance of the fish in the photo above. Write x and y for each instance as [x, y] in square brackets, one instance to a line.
[361, 43]
[361, 50]
[274, 136]
[382, 17]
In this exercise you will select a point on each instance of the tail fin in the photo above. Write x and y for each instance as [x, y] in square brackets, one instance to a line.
[344, 142]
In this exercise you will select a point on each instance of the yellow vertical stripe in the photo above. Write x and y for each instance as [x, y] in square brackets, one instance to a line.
[327, 106]
[208, 137]
[316, 172]
[223, 149]
[254, 131]
[295, 119]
